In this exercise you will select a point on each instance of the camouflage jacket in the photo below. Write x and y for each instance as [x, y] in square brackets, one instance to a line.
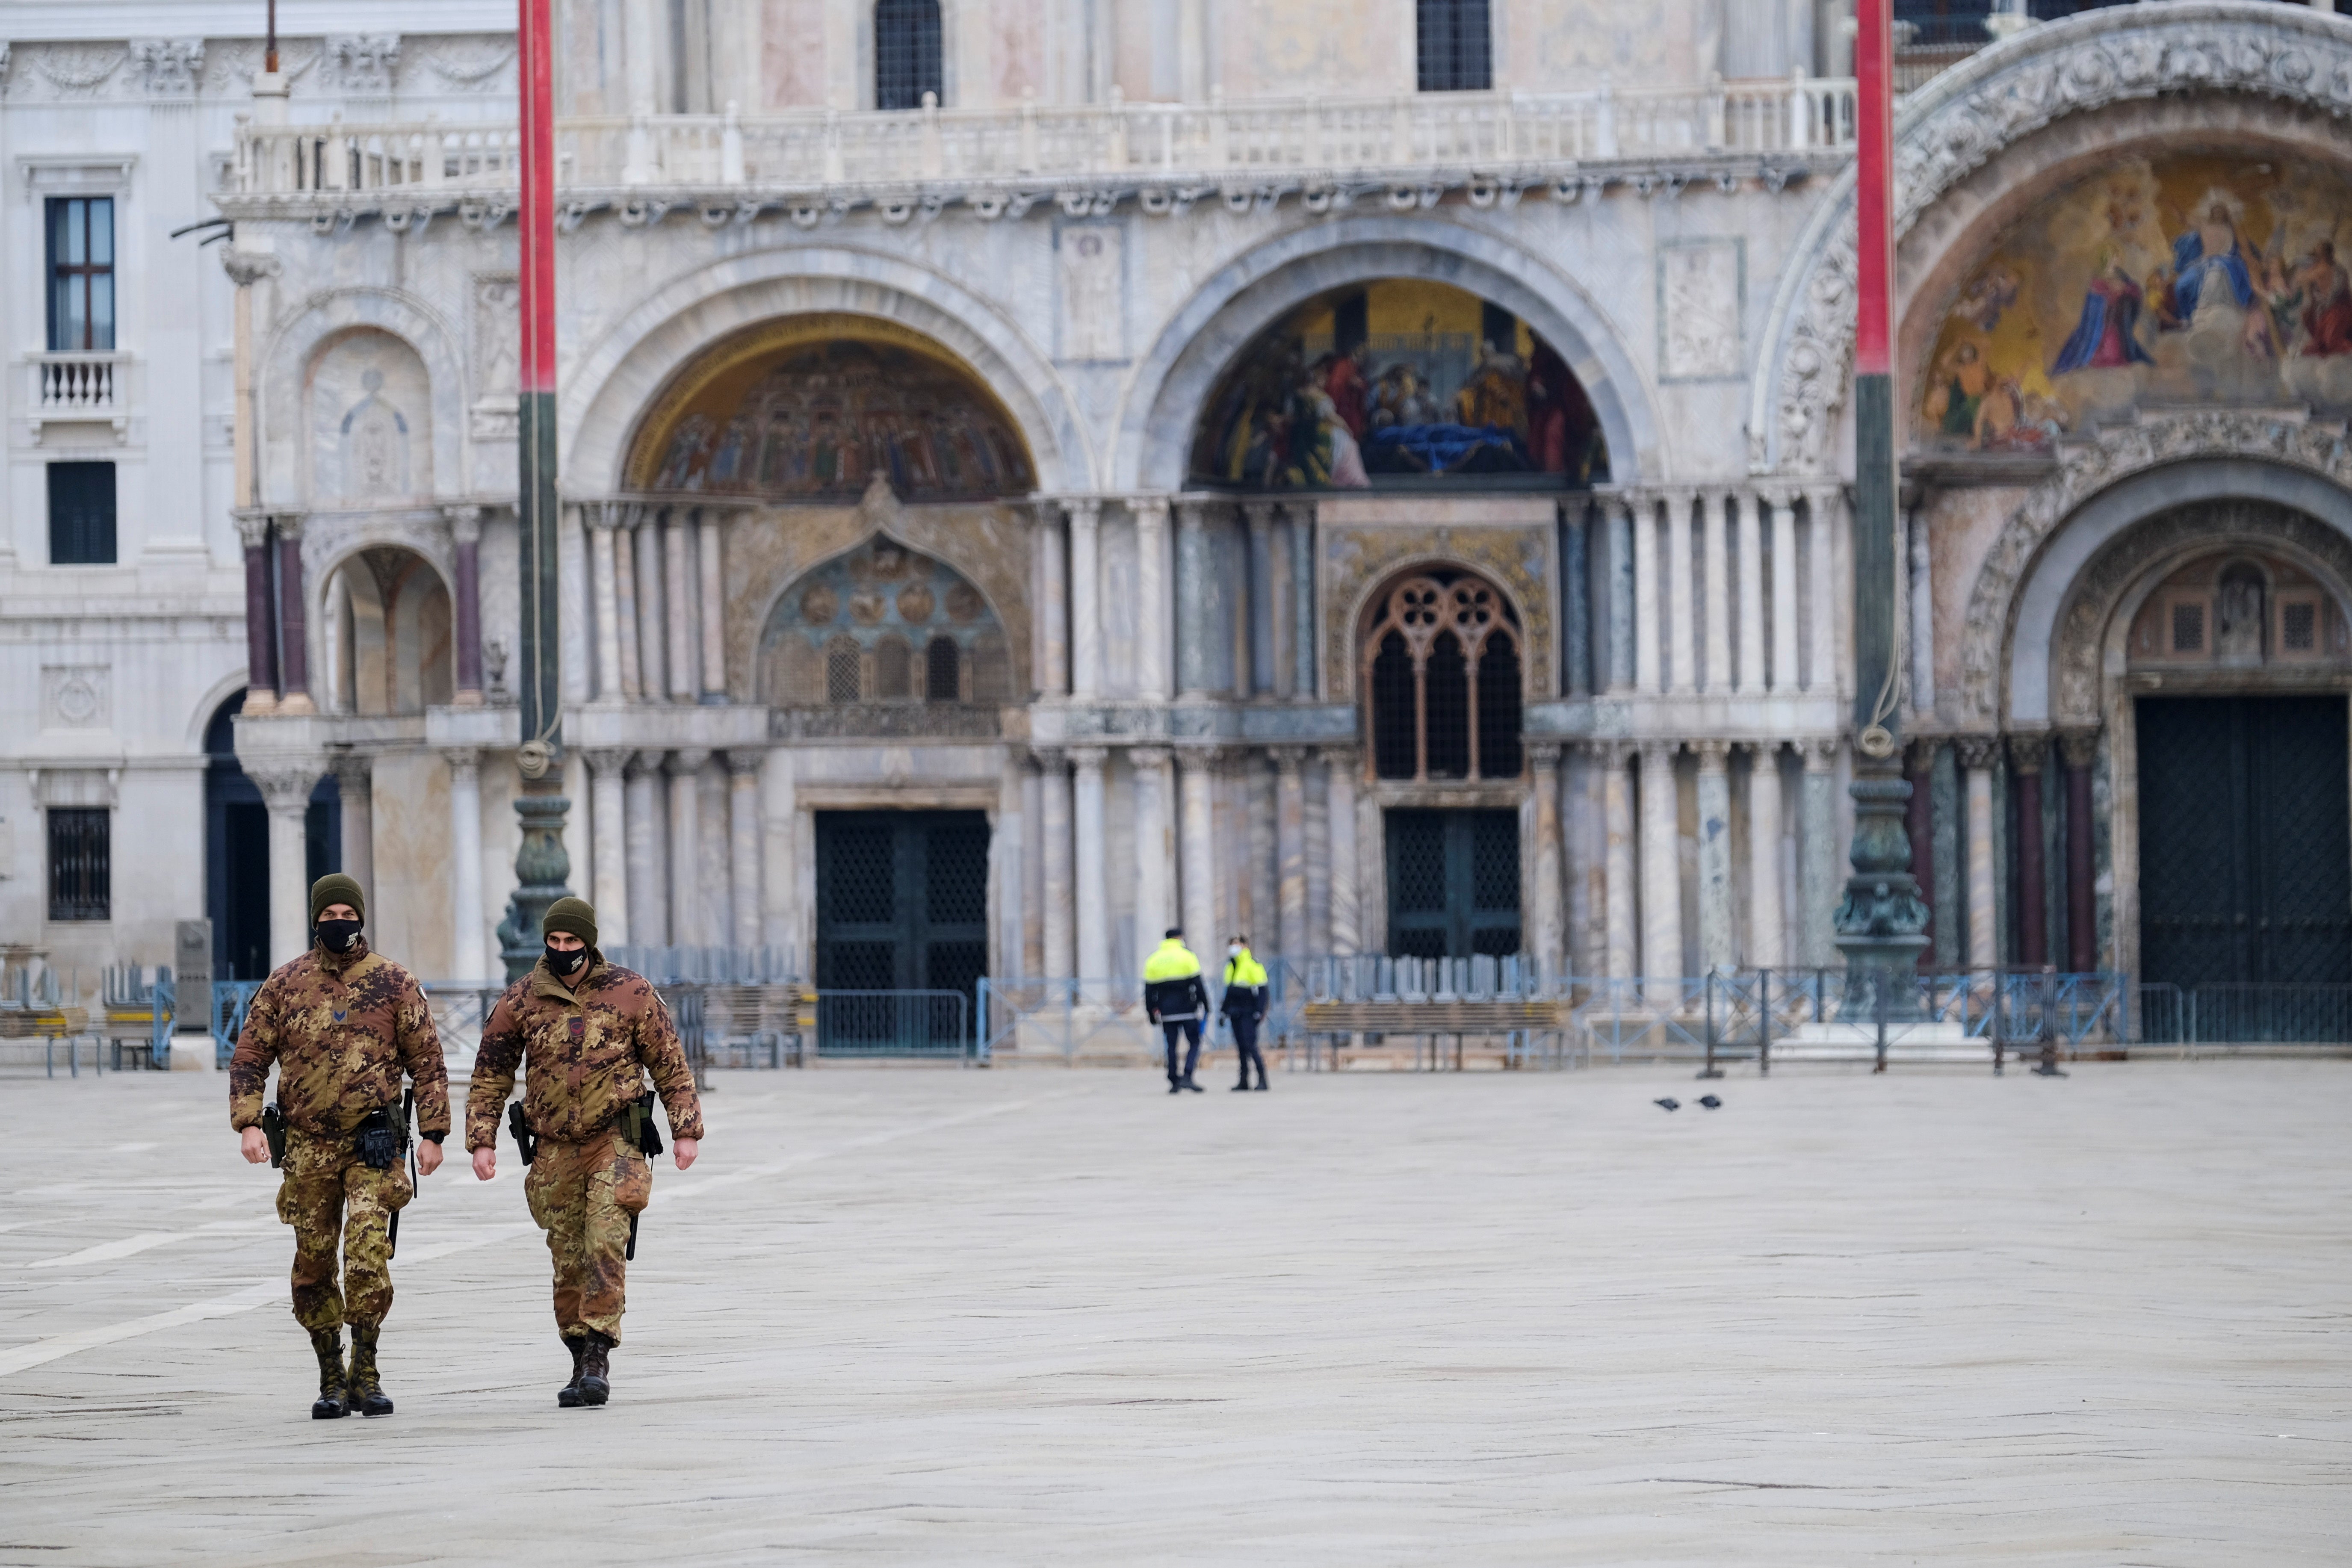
[583, 1057]
[342, 1028]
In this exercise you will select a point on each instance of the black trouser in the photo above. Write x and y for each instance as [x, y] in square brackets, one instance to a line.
[1189, 1027]
[1245, 1046]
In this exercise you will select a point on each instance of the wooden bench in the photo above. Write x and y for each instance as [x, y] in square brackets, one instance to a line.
[1433, 1021]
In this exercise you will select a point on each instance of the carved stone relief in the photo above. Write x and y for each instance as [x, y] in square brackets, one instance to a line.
[77, 697]
[1700, 285]
[169, 67]
[371, 423]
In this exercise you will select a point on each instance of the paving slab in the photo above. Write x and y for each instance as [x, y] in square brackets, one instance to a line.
[933, 1317]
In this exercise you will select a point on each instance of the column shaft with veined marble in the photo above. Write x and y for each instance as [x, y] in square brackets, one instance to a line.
[714, 607]
[1061, 936]
[468, 943]
[1682, 607]
[1290, 849]
[608, 839]
[1085, 598]
[648, 838]
[1661, 875]
[1748, 537]
[1720, 567]
[1622, 939]
[1091, 874]
[1718, 943]
[1767, 941]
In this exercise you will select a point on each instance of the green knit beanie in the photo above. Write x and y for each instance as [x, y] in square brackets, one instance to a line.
[334, 888]
[577, 916]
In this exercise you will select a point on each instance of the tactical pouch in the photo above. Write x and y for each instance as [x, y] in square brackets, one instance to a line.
[525, 1144]
[637, 1128]
[273, 1129]
[379, 1140]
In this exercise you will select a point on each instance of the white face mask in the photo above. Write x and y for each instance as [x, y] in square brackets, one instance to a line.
[1235, 950]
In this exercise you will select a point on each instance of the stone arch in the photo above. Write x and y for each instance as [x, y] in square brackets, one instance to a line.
[369, 408]
[2102, 488]
[2273, 59]
[1173, 381]
[625, 371]
[395, 630]
[1418, 624]
[283, 378]
[887, 615]
[1356, 592]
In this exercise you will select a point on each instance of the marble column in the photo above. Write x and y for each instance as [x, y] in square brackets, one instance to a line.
[743, 842]
[1649, 601]
[1750, 535]
[1767, 934]
[781, 916]
[354, 778]
[260, 616]
[677, 581]
[1086, 599]
[285, 789]
[1575, 602]
[1821, 883]
[608, 836]
[1923, 613]
[686, 847]
[604, 593]
[1052, 602]
[1093, 872]
[465, 602]
[574, 627]
[2080, 751]
[1718, 937]
[1718, 592]
[1632, 574]
[1662, 877]
[1622, 937]
[1824, 508]
[1682, 639]
[1290, 851]
[1260, 515]
[1032, 872]
[624, 603]
[1155, 849]
[1253, 793]
[647, 852]
[1061, 932]
[653, 676]
[1152, 614]
[1301, 518]
[1784, 589]
[1976, 752]
[1319, 860]
[1919, 822]
[1201, 601]
[2025, 755]
[711, 558]
[1341, 767]
[1196, 843]
[293, 623]
[468, 943]
[1546, 901]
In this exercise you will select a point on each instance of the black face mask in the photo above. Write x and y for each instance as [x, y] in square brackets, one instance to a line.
[564, 966]
[339, 935]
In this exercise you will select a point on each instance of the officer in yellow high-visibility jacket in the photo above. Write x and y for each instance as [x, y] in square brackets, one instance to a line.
[1175, 999]
[1244, 1006]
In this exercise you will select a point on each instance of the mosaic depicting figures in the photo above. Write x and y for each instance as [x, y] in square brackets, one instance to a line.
[1398, 383]
[820, 421]
[2184, 280]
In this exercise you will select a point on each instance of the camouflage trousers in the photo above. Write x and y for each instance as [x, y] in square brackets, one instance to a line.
[582, 1194]
[328, 1195]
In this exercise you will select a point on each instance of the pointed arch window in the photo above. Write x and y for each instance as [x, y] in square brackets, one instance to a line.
[907, 52]
[1443, 677]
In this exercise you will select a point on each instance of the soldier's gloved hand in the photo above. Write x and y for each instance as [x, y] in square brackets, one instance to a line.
[428, 1156]
[687, 1147]
[485, 1163]
[255, 1147]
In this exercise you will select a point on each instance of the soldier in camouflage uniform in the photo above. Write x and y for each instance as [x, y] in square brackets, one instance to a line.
[343, 1024]
[586, 1033]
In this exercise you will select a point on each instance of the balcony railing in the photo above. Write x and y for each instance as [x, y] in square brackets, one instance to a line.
[78, 385]
[1299, 143]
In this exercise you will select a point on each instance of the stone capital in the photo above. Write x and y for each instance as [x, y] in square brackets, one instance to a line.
[1609, 754]
[1342, 756]
[1714, 756]
[289, 524]
[1762, 753]
[687, 761]
[1977, 750]
[1820, 754]
[464, 522]
[353, 769]
[284, 783]
[1287, 760]
[1658, 752]
[1150, 759]
[1049, 759]
[247, 268]
[743, 762]
[2026, 752]
[1151, 510]
[1543, 755]
[1260, 515]
[252, 527]
[607, 761]
[2079, 747]
[1089, 759]
[645, 761]
[465, 762]
[1085, 512]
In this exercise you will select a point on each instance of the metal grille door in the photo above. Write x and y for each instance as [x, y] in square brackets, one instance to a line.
[2245, 840]
[902, 905]
[1453, 883]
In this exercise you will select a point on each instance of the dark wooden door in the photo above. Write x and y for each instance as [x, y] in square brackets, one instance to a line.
[1453, 883]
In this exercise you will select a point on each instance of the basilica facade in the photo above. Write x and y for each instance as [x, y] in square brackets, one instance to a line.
[1376, 479]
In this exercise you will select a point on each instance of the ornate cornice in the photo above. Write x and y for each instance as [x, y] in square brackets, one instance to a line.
[1994, 99]
[2086, 467]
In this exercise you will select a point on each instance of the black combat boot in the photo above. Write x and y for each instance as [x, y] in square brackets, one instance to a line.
[367, 1394]
[595, 1370]
[569, 1395]
[331, 1404]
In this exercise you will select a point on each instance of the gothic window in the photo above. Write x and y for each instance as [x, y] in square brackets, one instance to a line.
[893, 669]
[1442, 681]
[1454, 52]
[941, 670]
[901, 636]
[905, 53]
[841, 683]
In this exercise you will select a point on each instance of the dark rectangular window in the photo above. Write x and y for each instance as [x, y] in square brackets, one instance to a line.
[1455, 55]
[907, 52]
[81, 514]
[81, 274]
[80, 863]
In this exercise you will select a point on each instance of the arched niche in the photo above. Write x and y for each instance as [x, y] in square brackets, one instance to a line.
[1397, 384]
[886, 639]
[811, 409]
[391, 649]
[369, 408]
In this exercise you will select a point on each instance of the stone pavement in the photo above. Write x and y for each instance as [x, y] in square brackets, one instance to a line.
[901, 1317]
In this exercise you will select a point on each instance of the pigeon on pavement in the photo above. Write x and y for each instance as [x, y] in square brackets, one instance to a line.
[1669, 1103]
[1710, 1102]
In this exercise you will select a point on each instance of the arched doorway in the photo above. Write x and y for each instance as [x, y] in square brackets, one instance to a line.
[236, 850]
[391, 649]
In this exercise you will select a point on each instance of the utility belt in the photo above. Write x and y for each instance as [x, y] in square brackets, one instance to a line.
[633, 1124]
[379, 1140]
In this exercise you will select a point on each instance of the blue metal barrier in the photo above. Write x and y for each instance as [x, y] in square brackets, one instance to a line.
[231, 1000]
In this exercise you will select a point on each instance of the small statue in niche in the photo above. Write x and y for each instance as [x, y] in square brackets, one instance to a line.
[494, 666]
[2238, 616]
